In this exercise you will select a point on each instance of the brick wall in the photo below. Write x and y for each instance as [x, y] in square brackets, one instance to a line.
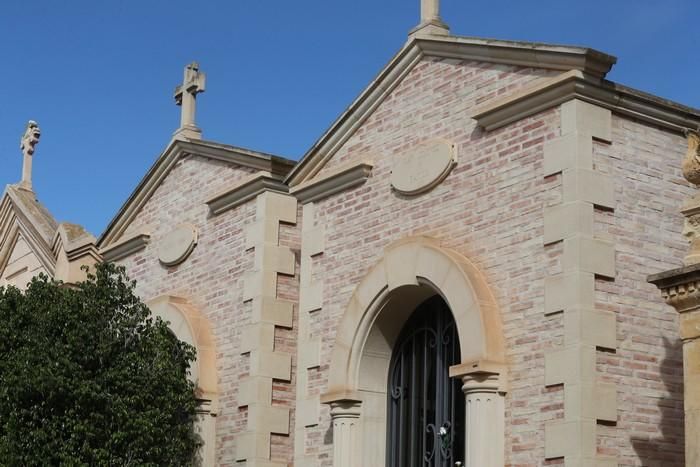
[490, 208]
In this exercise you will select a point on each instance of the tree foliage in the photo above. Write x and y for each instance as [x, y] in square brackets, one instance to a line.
[88, 377]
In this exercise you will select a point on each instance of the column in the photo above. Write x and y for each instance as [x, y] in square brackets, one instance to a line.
[485, 420]
[680, 288]
[345, 415]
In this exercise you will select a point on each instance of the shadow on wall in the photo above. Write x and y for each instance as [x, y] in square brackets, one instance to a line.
[666, 450]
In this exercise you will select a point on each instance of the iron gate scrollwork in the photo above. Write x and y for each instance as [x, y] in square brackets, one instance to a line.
[426, 408]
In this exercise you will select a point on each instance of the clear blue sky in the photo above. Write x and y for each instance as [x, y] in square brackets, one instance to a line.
[99, 75]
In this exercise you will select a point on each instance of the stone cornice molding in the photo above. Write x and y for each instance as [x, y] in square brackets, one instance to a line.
[335, 181]
[574, 84]
[246, 190]
[176, 150]
[679, 287]
[526, 54]
[125, 247]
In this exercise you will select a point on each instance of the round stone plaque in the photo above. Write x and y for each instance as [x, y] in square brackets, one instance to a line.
[422, 168]
[177, 245]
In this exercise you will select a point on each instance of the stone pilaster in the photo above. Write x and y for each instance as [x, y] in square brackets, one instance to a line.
[572, 292]
[345, 415]
[268, 312]
[309, 348]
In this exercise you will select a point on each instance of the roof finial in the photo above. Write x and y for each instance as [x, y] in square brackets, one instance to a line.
[430, 21]
[185, 96]
[30, 139]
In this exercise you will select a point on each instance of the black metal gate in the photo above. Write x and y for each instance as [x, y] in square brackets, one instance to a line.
[426, 408]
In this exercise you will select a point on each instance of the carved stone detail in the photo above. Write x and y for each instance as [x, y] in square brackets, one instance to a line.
[691, 163]
[30, 139]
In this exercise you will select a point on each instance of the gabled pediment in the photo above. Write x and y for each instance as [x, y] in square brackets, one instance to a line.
[176, 150]
[23, 218]
[590, 64]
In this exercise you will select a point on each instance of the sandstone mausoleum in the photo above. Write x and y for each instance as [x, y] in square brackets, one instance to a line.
[456, 271]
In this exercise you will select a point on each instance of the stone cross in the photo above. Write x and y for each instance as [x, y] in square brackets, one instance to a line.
[186, 97]
[430, 21]
[30, 139]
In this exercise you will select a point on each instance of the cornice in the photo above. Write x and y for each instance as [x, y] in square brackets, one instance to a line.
[125, 247]
[519, 53]
[248, 189]
[574, 84]
[335, 181]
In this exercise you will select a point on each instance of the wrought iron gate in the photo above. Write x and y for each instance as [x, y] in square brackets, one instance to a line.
[426, 408]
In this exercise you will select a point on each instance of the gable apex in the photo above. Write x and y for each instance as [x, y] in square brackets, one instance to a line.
[527, 54]
[176, 150]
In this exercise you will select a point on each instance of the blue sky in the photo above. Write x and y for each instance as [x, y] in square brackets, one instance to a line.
[99, 76]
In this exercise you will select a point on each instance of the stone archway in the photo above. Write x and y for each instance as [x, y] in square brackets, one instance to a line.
[410, 271]
[191, 326]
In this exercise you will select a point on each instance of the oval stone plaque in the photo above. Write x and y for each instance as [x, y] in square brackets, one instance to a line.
[422, 168]
[177, 245]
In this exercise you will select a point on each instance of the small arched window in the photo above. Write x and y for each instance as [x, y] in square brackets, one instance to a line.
[425, 424]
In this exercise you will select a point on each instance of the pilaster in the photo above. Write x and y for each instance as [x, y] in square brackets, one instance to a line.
[572, 291]
[266, 363]
[309, 348]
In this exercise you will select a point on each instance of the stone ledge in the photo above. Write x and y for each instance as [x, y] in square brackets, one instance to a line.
[126, 247]
[342, 178]
[246, 190]
[675, 277]
[575, 84]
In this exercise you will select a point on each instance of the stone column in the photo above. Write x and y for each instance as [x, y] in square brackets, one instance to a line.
[345, 415]
[485, 425]
[483, 386]
[680, 288]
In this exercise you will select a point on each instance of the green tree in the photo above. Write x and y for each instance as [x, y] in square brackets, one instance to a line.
[88, 377]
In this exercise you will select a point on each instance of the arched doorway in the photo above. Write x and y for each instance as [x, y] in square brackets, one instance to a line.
[425, 419]
[412, 271]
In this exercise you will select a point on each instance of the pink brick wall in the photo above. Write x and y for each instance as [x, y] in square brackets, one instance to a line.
[646, 228]
[212, 277]
[490, 209]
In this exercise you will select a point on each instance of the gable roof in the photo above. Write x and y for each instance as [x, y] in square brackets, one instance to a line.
[21, 214]
[592, 64]
[176, 150]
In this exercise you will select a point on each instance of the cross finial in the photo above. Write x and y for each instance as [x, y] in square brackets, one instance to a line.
[30, 139]
[430, 21]
[186, 96]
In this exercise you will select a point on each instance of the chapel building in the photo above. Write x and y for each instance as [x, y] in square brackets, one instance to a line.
[455, 272]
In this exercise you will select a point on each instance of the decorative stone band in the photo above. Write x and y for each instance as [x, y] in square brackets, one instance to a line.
[258, 339]
[339, 179]
[577, 85]
[126, 247]
[681, 289]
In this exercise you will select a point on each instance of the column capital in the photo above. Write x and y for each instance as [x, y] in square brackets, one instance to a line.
[680, 287]
[481, 376]
[346, 409]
